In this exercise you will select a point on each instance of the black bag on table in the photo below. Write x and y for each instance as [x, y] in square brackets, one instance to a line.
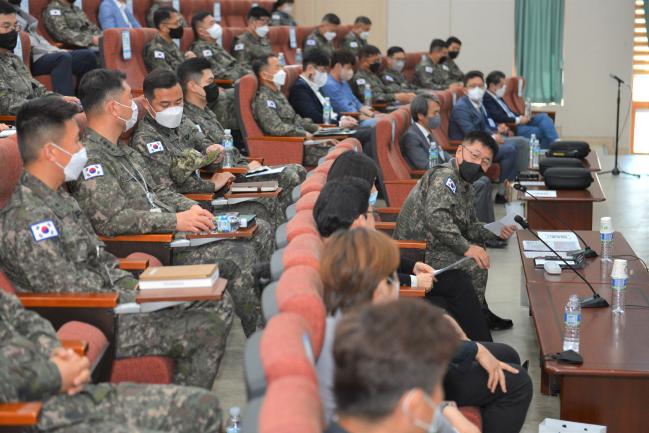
[575, 178]
[550, 161]
[569, 149]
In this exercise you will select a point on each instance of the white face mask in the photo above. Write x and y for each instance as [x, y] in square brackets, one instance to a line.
[320, 78]
[74, 167]
[215, 31]
[169, 117]
[501, 92]
[129, 123]
[429, 427]
[476, 94]
[279, 78]
[262, 31]
[329, 36]
[373, 196]
[364, 35]
[287, 8]
[398, 65]
[346, 74]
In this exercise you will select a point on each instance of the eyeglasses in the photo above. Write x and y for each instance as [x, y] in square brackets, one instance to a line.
[392, 279]
[6, 26]
[477, 155]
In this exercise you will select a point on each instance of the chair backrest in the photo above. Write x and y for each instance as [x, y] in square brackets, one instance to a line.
[515, 93]
[140, 10]
[343, 29]
[190, 8]
[26, 46]
[300, 224]
[12, 166]
[292, 73]
[386, 141]
[91, 9]
[36, 10]
[112, 55]
[245, 91]
[187, 40]
[229, 33]
[278, 36]
[412, 60]
[233, 12]
[302, 32]
[304, 413]
[446, 108]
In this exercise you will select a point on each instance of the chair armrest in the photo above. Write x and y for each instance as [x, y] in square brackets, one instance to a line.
[259, 160]
[155, 238]
[233, 170]
[223, 82]
[379, 106]
[416, 174]
[411, 292]
[453, 145]
[200, 196]
[354, 114]
[133, 264]
[137, 92]
[78, 346]
[385, 226]
[8, 118]
[388, 210]
[411, 245]
[278, 138]
[68, 300]
[19, 414]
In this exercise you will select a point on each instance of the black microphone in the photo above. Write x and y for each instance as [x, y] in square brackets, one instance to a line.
[616, 78]
[595, 301]
[588, 252]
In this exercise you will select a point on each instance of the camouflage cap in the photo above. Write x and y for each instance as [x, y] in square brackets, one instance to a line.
[187, 162]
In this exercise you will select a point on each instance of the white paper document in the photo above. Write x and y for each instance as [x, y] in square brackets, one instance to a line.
[508, 220]
[532, 183]
[559, 241]
[535, 254]
[542, 193]
[264, 170]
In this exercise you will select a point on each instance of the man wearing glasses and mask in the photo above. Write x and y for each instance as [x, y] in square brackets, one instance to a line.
[440, 209]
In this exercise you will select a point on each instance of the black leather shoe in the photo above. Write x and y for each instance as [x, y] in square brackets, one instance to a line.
[500, 199]
[497, 323]
[496, 243]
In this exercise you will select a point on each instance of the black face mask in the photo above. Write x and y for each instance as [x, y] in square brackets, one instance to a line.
[211, 92]
[176, 33]
[15, 2]
[9, 40]
[470, 171]
[442, 59]
[453, 54]
[374, 67]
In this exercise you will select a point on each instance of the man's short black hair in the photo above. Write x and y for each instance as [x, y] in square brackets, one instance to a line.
[483, 138]
[472, 74]
[453, 40]
[98, 85]
[315, 57]
[363, 20]
[197, 19]
[340, 202]
[158, 79]
[437, 44]
[331, 19]
[378, 358]
[394, 50]
[256, 13]
[494, 77]
[419, 105]
[368, 51]
[191, 70]
[40, 121]
[164, 13]
[280, 3]
[260, 63]
[6, 8]
[343, 57]
[354, 164]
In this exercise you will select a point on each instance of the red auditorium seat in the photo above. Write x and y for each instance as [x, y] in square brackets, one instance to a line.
[112, 56]
[343, 29]
[190, 8]
[304, 413]
[514, 94]
[292, 73]
[36, 10]
[302, 32]
[91, 9]
[229, 33]
[140, 10]
[412, 60]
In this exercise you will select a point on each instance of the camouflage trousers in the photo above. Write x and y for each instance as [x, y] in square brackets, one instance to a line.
[193, 334]
[236, 259]
[128, 407]
[268, 209]
[313, 153]
[224, 110]
[289, 178]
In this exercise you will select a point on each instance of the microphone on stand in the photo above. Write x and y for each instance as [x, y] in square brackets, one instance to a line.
[616, 78]
[588, 252]
[595, 301]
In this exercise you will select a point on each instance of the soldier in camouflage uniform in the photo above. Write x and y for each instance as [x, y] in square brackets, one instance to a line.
[47, 245]
[161, 52]
[369, 64]
[392, 77]
[274, 113]
[67, 23]
[282, 10]
[157, 4]
[253, 44]
[431, 73]
[34, 367]
[357, 36]
[323, 36]
[455, 73]
[440, 210]
[208, 34]
[120, 197]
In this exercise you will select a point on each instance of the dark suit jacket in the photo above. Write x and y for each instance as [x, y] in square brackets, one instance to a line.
[304, 101]
[465, 118]
[495, 111]
[414, 148]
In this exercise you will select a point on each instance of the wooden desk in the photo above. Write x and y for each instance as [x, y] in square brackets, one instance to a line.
[594, 272]
[574, 208]
[611, 387]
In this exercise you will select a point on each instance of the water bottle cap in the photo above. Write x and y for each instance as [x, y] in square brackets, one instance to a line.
[573, 299]
[619, 269]
[235, 411]
[605, 225]
[533, 137]
[227, 131]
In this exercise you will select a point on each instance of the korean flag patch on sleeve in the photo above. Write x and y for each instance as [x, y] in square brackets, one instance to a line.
[55, 12]
[311, 42]
[239, 47]
[155, 147]
[428, 69]
[44, 230]
[207, 53]
[388, 78]
[360, 81]
[158, 54]
[271, 104]
[93, 170]
[451, 185]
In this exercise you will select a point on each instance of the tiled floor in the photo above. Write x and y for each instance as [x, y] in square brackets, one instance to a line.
[627, 203]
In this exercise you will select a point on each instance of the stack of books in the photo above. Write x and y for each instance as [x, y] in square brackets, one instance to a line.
[180, 283]
[268, 186]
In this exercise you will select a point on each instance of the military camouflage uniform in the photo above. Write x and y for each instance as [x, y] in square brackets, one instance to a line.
[316, 40]
[152, 10]
[290, 177]
[248, 47]
[27, 374]
[159, 53]
[454, 72]
[17, 86]
[66, 257]
[353, 42]
[174, 167]
[431, 76]
[276, 117]
[440, 210]
[279, 18]
[116, 204]
[224, 65]
[380, 93]
[396, 82]
[69, 24]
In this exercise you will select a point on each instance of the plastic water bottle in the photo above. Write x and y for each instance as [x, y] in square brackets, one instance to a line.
[282, 59]
[535, 150]
[298, 56]
[234, 422]
[326, 111]
[619, 281]
[606, 238]
[572, 323]
[433, 154]
[367, 95]
[228, 144]
[528, 108]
